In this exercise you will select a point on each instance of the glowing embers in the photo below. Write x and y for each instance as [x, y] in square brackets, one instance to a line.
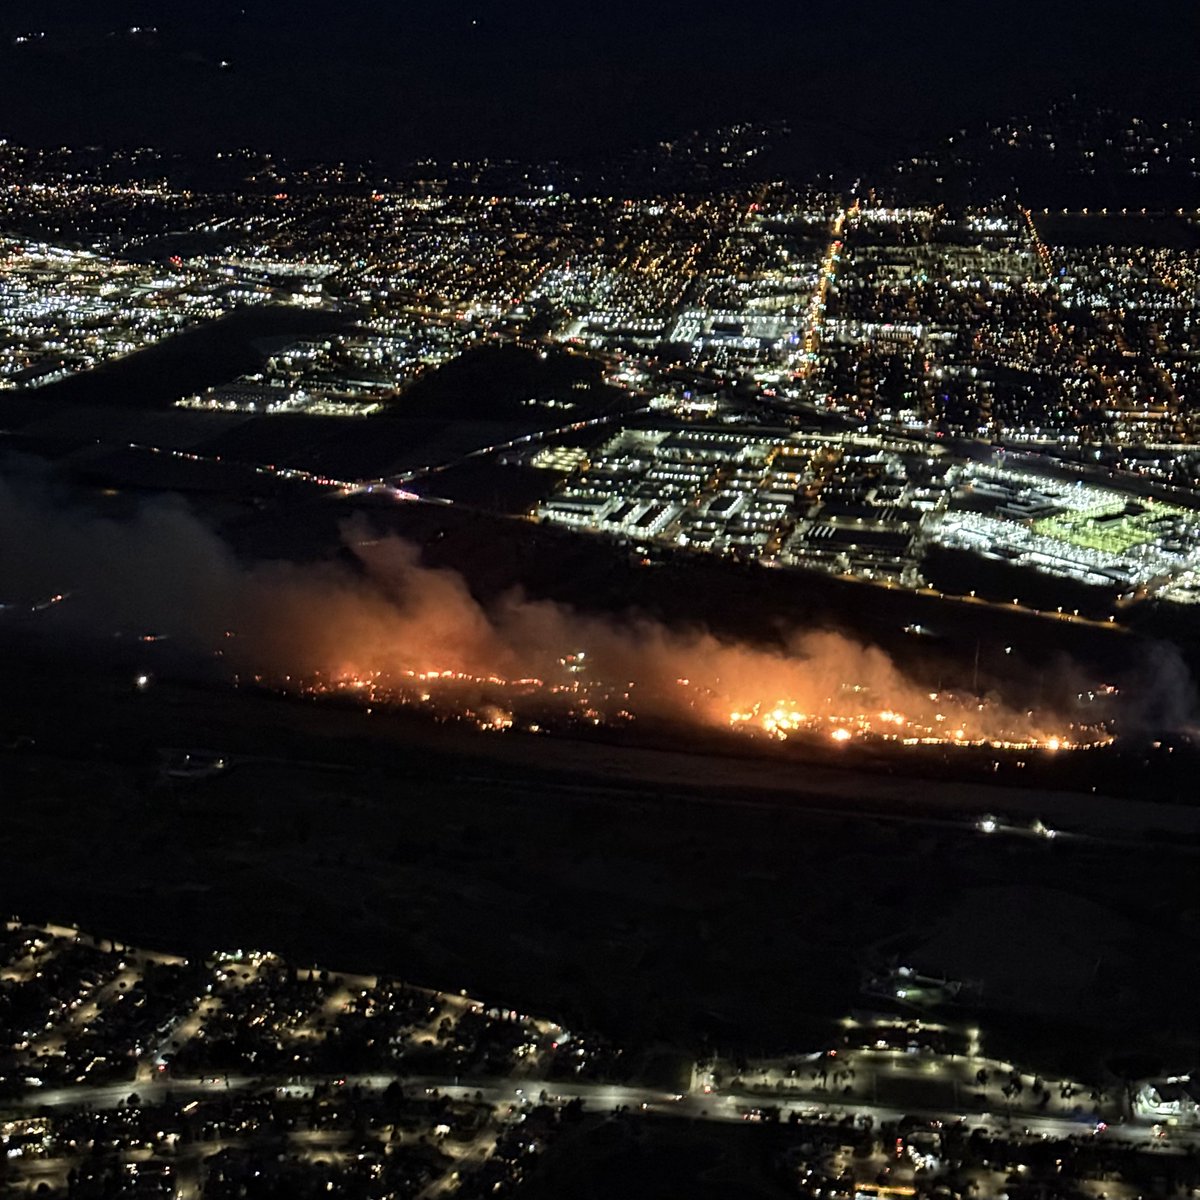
[964, 723]
[571, 698]
[491, 703]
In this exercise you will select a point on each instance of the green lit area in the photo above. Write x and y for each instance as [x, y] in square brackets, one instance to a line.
[1108, 527]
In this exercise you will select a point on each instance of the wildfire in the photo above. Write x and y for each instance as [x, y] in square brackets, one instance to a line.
[781, 720]
[571, 697]
[490, 702]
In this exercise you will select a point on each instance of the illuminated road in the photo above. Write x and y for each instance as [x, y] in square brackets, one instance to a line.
[720, 1105]
[816, 309]
[527, 439]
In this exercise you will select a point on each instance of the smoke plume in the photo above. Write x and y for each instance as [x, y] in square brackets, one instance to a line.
[162, 571]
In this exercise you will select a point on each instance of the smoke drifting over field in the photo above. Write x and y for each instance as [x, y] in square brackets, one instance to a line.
[396, 629]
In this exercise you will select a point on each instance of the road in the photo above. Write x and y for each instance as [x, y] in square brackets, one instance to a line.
[720, 1105]
[816, 308]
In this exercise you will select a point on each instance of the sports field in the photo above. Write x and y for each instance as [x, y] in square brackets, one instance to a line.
[1107, 527]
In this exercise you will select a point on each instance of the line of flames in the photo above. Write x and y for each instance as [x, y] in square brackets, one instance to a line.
[779, 720]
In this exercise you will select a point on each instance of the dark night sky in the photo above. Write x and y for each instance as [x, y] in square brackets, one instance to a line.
[531, 77]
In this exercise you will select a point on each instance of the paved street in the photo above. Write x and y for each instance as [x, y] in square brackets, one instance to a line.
[719, 1105]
